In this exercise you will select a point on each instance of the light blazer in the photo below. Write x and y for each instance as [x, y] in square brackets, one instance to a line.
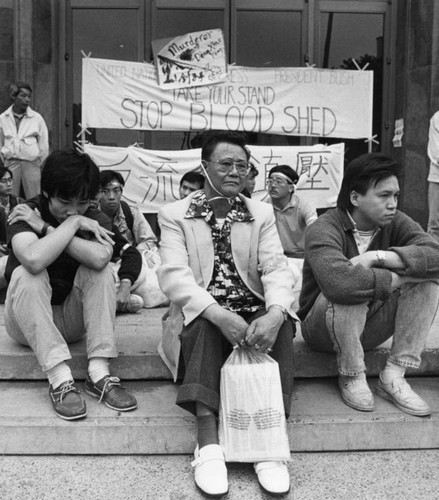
[187, 255]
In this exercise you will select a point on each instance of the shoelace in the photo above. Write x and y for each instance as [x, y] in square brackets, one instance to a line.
[64, 389]
[109, 382]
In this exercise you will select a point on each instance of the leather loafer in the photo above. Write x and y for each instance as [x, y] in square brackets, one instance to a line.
[273, 477]
[356, 393]
[399, 392]
[210, 470]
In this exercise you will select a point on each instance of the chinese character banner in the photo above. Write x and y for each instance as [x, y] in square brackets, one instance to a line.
[152, 178]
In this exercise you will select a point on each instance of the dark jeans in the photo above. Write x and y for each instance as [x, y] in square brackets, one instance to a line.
[205, 349]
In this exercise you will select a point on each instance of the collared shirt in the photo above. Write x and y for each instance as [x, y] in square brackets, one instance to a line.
[291, 222]
[433, 148]
[142, 236]
[226, 286]
[30, 142]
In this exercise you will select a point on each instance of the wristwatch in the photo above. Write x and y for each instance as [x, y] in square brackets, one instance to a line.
[381, 257]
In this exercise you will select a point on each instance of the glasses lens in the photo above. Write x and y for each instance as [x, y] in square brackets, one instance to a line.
[6, 181]
[227, 166]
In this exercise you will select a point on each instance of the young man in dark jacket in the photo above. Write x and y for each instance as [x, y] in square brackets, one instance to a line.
[370, 273]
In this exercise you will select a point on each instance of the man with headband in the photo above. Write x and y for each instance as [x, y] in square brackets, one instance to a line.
[224, 270]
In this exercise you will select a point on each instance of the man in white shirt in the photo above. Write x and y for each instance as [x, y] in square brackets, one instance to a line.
[433, 177]
[24, 141]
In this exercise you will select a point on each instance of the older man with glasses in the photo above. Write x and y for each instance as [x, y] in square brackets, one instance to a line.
[224, 270]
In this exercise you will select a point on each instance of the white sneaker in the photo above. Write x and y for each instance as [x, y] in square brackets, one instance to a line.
[399, 392]
[135, 304]
[210, 470]
[273, 477]
[356, 393]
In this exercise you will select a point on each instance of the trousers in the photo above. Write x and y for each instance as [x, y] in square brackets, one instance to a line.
[89, 310]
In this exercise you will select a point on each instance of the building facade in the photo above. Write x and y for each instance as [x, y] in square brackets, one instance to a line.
[43, 42]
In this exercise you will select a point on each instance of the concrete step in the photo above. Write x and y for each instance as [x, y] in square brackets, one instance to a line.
[138, 336]
[319, 421]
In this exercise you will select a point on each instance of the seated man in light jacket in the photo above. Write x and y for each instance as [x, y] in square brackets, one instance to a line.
[224, 270]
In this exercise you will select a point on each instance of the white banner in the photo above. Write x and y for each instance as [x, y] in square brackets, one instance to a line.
[320, 170]
[152, 178]
[287, 101]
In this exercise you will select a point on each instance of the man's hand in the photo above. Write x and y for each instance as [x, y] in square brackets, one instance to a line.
[370, 259]
[123, 296]
[91, 226]
[262, 332]
[230, 324]
[23, 212]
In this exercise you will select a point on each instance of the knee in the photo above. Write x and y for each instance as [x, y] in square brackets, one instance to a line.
[28, 282]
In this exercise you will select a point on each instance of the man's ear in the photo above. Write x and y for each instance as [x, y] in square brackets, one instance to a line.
[354, 198]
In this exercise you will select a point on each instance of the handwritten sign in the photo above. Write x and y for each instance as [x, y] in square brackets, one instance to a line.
[152, 178]
[287, 101]
[320, 170]
[193, 59]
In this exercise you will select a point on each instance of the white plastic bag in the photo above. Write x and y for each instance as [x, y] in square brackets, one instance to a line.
[149, 289]
[252, 423]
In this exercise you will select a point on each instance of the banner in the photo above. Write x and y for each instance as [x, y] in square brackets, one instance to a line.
[287, 101]
[320, 170]
[152, 178]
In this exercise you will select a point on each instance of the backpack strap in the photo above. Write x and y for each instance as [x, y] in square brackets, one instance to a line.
[127, 214]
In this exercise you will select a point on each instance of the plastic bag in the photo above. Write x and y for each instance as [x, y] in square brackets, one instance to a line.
[252, 423]
[149, 289]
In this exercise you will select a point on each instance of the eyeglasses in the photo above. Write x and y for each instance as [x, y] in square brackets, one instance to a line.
[8, 180]
[278, 182]
[107, 192]
[226, 166]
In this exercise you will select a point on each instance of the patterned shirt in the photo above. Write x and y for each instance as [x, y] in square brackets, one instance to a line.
[226, 286]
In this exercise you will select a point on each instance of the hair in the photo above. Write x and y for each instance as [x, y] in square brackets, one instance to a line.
[4, 170]
[194, 178]
[108, 176]
[286, 170]
[364, 172]
[15, 88]
[253, 170]
[211, 141]
[69, 174]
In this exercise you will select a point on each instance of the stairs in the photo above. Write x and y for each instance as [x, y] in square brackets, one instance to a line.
[319, 421]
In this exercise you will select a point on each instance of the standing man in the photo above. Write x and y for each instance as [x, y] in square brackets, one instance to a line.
[433, 177]
[24, 141]
[61, 286]
[370, 273]
[223, 268]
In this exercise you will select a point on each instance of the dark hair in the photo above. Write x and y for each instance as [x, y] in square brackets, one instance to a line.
[194, 178]
[108, 176]
[286, 170]
[253, 170]
[364, 172]
[211, 140]
[69, 174]
[4, 170]
[15, 88]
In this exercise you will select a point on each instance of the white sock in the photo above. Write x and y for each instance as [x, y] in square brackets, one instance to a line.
[98, 368]
[391, 372]
[59, 374]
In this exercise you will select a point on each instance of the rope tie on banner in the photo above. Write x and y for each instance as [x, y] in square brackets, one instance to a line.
[311, 66]
[85, 55]
[358, 66]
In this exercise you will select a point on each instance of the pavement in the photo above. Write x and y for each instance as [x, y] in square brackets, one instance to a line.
[384, 475]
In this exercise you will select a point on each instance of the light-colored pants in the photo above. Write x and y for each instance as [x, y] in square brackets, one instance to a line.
[349, 330]
[27, 173]
[89, 310]
[433, 209]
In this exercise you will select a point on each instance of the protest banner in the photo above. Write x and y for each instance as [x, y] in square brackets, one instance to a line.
[152, 178]
[320, 170]
[287, 101]
[190, 60]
